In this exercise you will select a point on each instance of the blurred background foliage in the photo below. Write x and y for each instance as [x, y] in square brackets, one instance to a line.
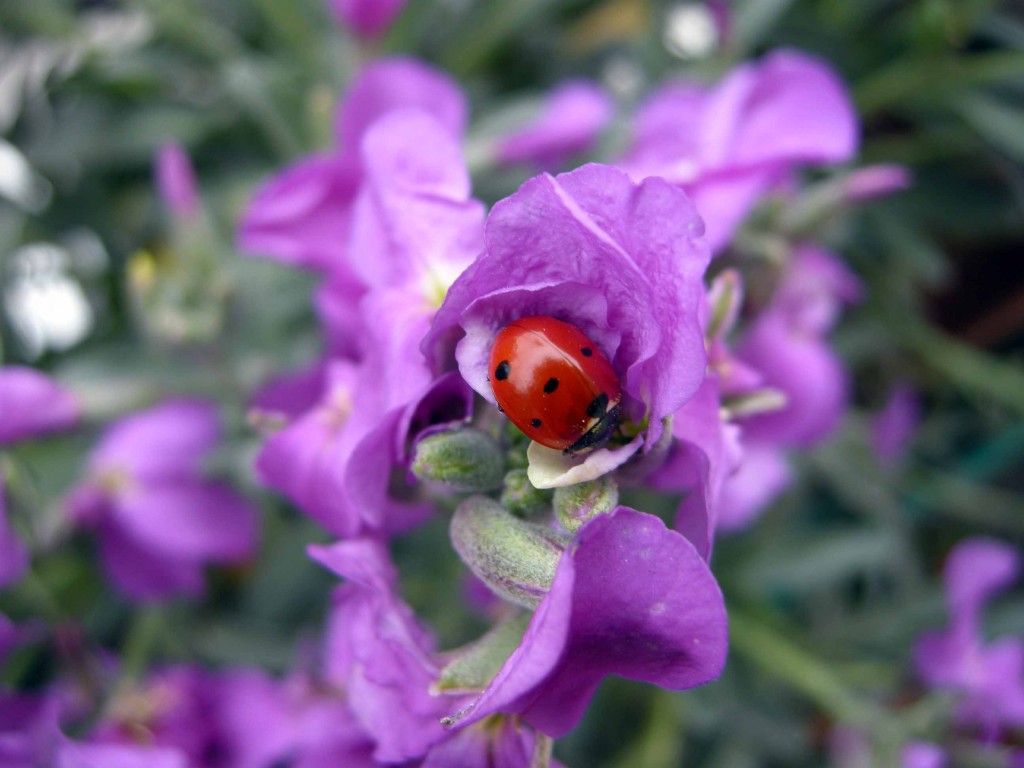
[826, 591]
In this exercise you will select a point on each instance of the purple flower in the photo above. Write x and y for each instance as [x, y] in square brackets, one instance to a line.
[503, 743]
[572, 117]
[380, 654]
[704, 454]
[176, 181]
[895, 424]
[32, 404]
[989, 677]
[621, 261]
[302, 216]
[761, 476]
[921, 754]
[727, 145]
[173, 707]
[367, 18]
[629, 598]
[14, 555]
[159, 521]
[265, 722]
[335, 461]
[786, 345]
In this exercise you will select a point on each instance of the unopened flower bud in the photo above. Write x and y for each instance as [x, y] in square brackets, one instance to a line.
[521, 498]
[516, 559]
[472, 667]
[576, 505]
[466, 459]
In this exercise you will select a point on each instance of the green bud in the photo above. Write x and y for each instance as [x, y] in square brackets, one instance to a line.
[466, 459]
[575, 505]
[516, 559]
[520, 497]
[473, 666]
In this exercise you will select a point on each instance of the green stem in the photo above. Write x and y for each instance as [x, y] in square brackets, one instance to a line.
[542, 749]
[776, 655]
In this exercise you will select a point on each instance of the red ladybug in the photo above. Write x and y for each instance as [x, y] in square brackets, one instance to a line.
[555, 384]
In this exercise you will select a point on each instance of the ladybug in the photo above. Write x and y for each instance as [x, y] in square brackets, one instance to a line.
[555, 384]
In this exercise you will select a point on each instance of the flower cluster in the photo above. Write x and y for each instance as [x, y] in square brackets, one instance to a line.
[722, 370]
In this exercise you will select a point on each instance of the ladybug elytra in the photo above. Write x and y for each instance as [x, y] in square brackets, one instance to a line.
[555, 384]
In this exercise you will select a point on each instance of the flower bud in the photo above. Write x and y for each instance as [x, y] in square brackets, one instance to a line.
[473, 666]
[521, 498]
[576, 505]
[466, 459]
[516, 559]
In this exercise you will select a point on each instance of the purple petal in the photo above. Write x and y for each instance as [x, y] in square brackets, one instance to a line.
[197, 520]
[32, 404]
[761, 476]
[176, 180]
[73, 754]
[389, 84]
[166, 442]
[300, 216]
[414, 213]
[806, 371]
[703, 456]
[728, 145]
[501, 744]
[637, 246]
[572, 117]
[367, 18]
[894, 426]
[790, 107]
[14, 555]
[380, 654]
[975, 570]
[291, 394]
[143, 574]
[921, 754]
[337, 301]
[631, 598]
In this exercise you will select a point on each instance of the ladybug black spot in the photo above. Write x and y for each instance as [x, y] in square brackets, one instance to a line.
[587, 351]
[551, 386]
[535, 422]
[502, 371]
[598, 407]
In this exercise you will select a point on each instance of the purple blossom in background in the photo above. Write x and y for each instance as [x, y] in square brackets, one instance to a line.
[630, 598]
[572, 117]
[894, 426]
[989, 677]
[266, 722]
[367, 18]
[920, 754]
[33, 404]
[14, 555]
[729, 144]
[175, 709]
[786, 344]
[176, 181]
[619, 260]
[335, 461]
[302, 215]
[158, 520]
[761, 476]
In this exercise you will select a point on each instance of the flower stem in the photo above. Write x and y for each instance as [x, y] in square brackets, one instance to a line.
[542, 749]
[778, 656]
